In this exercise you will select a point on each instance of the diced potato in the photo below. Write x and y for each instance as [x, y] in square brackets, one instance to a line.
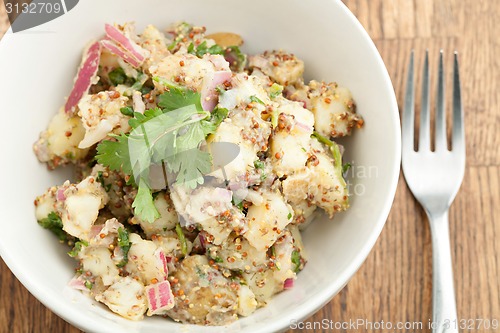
[144, 261]
[81, 207]
[154, 41]
[46, 203]
[247, 304]
[267, 221]
[263, 285]
[248, 134]
[284, 68]
[207, 297]
[126, 298]
[167, 220]
[236, 253]
[209, 207]
[101, 116]
[333, 108]
[319, 183]
[169, 242]
[58, 145]
[97, 260]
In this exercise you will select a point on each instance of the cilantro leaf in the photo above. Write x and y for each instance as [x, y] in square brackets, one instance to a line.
[143, 204]
[54, 223]
[177, 98]
[115, 154]
[171, 135]
[140, 118]
[217, 116]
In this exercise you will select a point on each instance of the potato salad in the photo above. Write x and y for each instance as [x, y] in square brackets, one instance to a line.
[197, 166]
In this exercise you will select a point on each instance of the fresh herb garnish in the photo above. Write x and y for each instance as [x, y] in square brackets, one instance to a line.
[296, 260]
[255, 99]
[346, 167]
[334, 149]
[171, 137]
[77, 248]
[218, 260]
[54, 223]
[204, 49]
[127, 111]
[182, 239]
[100, 179]
[275, 90]
[289, 216]
[124, 244]
[237, 59]
[258, 164]
[117, 76]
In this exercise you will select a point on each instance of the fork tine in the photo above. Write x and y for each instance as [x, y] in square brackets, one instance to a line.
[408, 110]
[425, 124]
[440, 108]
[458, 113]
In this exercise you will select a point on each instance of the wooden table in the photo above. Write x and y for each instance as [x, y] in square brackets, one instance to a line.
[394, 284]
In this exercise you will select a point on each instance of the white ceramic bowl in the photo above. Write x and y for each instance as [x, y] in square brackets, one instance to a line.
[37, 69]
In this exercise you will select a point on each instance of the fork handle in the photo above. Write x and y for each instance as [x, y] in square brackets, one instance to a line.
[444, 309]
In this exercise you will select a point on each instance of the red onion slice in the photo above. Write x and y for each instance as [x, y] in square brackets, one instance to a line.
[85, 77]
[160, 298]
[128, 44]
[116, 49]
[288, 284]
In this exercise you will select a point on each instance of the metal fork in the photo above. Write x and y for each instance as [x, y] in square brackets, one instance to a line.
[434, 178]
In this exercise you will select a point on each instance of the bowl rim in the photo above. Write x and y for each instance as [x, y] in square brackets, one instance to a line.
[310, 306]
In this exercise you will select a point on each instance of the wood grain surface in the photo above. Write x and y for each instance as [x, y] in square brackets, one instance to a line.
[394, 285]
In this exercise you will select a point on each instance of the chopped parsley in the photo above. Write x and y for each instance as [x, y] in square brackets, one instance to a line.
[88, 285]
[218, 260]
[255, 99]
[296, 260]
[258, 164]
[334, 149]
[346, 168]
[127, 111]
[100, 179]
[289, 216]
[275, 90]
[77, 248]
[117, 76]
[54, 223]
[182, 239]
[204, 49]
[124, 244]
[237, 59]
